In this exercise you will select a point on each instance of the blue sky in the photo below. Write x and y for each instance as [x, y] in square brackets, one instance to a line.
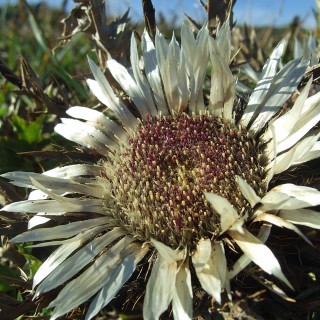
[257, 12]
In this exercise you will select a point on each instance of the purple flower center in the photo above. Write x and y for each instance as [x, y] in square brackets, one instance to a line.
[163, 172]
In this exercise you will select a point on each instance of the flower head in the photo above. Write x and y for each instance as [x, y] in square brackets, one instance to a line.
[181, 173]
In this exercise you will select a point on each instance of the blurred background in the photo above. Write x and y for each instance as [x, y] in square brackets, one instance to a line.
[255, 12]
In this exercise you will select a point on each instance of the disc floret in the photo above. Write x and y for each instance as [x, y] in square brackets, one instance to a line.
[165, 168]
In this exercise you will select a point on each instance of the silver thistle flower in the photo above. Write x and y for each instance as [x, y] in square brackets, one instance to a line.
[178, 176]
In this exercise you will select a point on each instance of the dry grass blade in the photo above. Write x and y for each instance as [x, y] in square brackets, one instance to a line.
[89, 17]
[17, 282]
[271, 286]
[11, 308]
[68, 156]
[218, 12]
[194, 25]
[9, 75]
[251, 49]
[312, 71]
[31, 87]
[8, 193]
[77, 21]
[149, 17]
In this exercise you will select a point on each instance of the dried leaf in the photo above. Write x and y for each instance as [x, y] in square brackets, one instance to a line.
[31, 86]
[149, 17]
[89, 17]
[9, 75]
[219, 12]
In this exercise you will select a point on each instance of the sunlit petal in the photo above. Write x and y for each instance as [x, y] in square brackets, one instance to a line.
[259, 253]
[182, 295]
[228, 215]
[160, 288]
[210, 265]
